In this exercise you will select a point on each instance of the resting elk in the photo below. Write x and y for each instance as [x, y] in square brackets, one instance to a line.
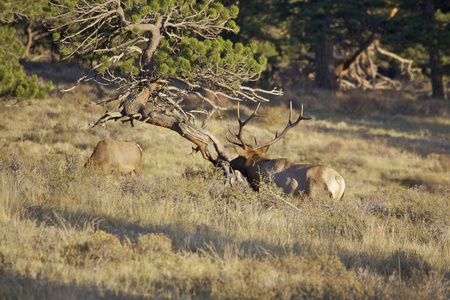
[117, 157]
[315, 181]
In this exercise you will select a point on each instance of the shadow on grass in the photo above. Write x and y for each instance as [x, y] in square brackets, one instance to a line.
[420, 146]
[400, 263]
[210, 242]
[201, 238]
[18, 287]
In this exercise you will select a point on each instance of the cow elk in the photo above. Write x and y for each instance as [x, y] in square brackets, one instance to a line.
[116, 157]
[315, 181]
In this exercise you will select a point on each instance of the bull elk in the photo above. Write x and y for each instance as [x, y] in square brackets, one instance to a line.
[117, 157]
[316, 181]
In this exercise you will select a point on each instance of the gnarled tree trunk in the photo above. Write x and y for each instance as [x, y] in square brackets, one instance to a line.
[136, 108]
[436, 75]
[209, 146]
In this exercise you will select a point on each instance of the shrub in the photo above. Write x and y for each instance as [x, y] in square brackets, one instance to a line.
[93, 248]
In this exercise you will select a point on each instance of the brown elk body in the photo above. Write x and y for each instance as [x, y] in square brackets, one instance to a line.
[117, 157]
[315, 181]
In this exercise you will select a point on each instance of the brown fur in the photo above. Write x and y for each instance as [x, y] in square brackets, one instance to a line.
[118, 157]
[316, 181]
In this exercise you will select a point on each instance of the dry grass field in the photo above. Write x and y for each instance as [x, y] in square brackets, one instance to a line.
[178, 232]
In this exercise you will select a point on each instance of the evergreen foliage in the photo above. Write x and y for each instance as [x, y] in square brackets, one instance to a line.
[14, 17]
[290, 30]
[162, 41]
[283, 31]
[182, 50]
[13, 11]
[13, 80]
[207, 58]
[411, 33]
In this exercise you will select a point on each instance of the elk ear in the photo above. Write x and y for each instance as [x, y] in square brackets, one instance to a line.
[240, 151]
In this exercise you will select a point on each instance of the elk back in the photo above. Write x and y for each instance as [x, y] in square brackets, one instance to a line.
[117, 157]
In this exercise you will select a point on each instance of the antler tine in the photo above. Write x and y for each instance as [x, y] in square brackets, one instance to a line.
[253, 115]
[238, 113]
[290, 112]
[241, 125]
[234, 135]
[301, 117]
[286, 129]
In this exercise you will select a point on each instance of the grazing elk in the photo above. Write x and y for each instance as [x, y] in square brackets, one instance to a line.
[316, 181]
[118, 157]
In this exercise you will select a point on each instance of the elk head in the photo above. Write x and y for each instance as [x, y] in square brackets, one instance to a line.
[316, 181]
[248, 154]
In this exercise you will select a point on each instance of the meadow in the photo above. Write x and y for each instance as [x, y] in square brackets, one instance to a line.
[179, 232]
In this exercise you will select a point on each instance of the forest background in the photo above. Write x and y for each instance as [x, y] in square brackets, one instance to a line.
[329, 44]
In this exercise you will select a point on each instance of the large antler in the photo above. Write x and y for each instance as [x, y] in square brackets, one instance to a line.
[286, 129]
[244, 145]
[241, 125]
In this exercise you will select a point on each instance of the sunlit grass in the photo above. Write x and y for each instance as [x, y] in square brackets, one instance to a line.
[66, 232]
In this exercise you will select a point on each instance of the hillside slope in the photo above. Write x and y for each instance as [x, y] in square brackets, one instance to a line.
[178, 232]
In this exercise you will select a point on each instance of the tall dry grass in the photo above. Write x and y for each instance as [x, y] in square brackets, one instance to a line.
[178, 232]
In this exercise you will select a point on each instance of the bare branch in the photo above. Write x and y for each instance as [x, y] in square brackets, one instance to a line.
[403, 61]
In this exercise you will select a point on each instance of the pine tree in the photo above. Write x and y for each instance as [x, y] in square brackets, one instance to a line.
[421, 29]
[263, 23]
[14, 83]
[159, 51]
[307, 34]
